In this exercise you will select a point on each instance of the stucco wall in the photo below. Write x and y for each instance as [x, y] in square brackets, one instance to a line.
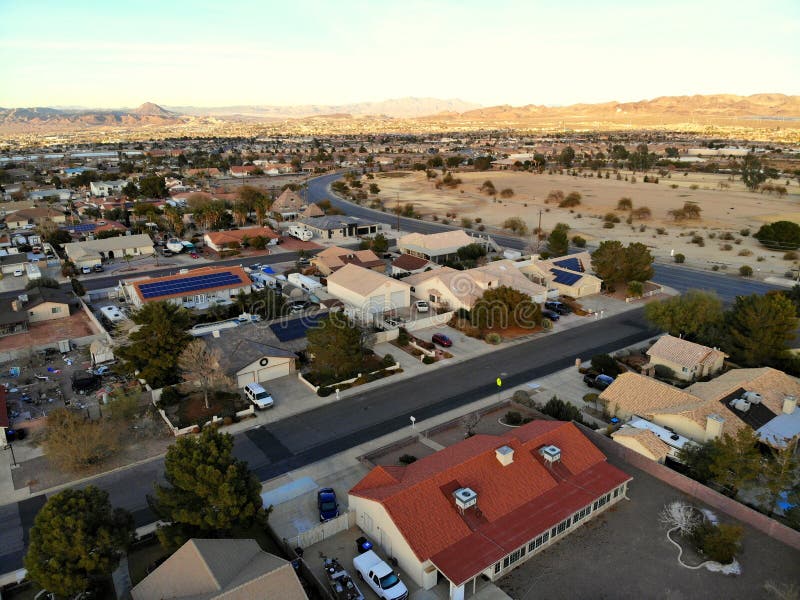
[682, 426]
[44, 312]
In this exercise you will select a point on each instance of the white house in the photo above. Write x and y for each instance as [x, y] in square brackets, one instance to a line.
[246, 360]
[438, 247]
[93, 252]
[367, 293]
[106, 188]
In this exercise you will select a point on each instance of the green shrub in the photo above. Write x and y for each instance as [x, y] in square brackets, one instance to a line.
[680, 258]
[387, 360]
[608, 225]
[547, 324]
[635, 288]
[513, 418]
[170, 396]
[591, 398]
[791, 256]
[563, 411]
[407, 459]
[605, 364]
[579, 241]
[746, 271]
[744, 232]
[719, 543]
[403, 337]
[324, 392]
[493, 338]
[428, 360]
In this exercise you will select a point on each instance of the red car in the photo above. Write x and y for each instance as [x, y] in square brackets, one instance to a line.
[194, 255]
[442, 340]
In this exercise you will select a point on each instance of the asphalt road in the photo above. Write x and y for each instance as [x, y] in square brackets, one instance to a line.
[679, 277]
[308, 437]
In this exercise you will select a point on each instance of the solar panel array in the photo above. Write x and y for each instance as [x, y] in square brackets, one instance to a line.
[296, 328]
[573, 264]
[82, 227]
[565, 277]
[189, 284]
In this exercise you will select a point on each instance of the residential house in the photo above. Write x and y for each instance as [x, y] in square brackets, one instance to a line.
[340, 227]
[221, 568]
[222, 240]
[567, 274]
[334, 258]
[196, 288]
[288, 206]
[106, 188]
[438, 247]
[706, 410]
[94, 252]
[684, 359]
[245, 359]
[481, 507]
[367, 293]
[311, 210]
[242, 171]
[11, 262]
[208, 172]
[34, 216]
[407, 264]
[450, 289]
[650, 440]
[36, 305]
[6, 208]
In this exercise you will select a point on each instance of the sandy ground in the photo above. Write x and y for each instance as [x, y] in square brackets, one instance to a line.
[723, 210]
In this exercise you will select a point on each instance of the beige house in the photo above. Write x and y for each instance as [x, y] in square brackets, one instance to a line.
[366, 293]
[340, 227]
[438, 247]
[246, 360]
[567, 274]
[704, 411]
[450, 289]
[686, 360]
[650, 440]
[34, 216]
[216, 569]
[288, 205]
[36, 305]
[480, 508]
[334, 258]
[93, 252]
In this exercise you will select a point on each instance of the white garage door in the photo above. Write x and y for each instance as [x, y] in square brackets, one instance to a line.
[273, 371]
[399, 300]
[375, 305]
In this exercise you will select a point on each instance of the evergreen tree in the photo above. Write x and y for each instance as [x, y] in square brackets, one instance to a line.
[154, 348]
[557, 242]
[781, 474]
[753, 172]
[638, 263]
[735, 459]
[210, 493]
[504, 307]
[696, 314]
[608, 262]
[759, 328]
[337, 344]
[76, 540]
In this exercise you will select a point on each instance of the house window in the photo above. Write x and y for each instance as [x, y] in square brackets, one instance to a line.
[616, 492]
[513, 557]
[496, 568]
[535, 544]
[55, 310]
[431, 298]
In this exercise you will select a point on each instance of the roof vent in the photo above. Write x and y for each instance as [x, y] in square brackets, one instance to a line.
[752, 397]
[465, 497]
[551, 453]
[505, 455]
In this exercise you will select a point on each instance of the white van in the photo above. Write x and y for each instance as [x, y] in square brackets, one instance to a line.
[258, 396]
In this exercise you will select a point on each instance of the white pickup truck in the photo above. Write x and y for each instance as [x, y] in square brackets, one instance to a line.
[379, 576]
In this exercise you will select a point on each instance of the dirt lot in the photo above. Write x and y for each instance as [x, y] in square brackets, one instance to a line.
[624, 553]
[729, 209]
[48, 332]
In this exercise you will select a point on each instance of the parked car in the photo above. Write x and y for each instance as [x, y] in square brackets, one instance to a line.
[260, 397]
[299, 306]
[391, 324]
[552, 315]
[558, 307]
[102, 370]
[600, 382]
[98, 268]
[422, 306]
[86, 270]
[18, 272]
[327, 505]
[379, 576]
[442, 340]
[303, 261]
[167, 252]
[194, 255]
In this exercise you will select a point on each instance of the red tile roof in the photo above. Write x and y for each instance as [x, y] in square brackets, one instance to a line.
[515, 501]
[237, 235]
[407, 262]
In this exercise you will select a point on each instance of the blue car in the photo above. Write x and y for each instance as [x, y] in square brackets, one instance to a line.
[549, 314]
[327, 505]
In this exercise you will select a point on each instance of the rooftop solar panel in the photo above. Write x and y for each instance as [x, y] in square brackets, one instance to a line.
[82, 227]
[189, 284]
[296, 328]
[573, 264]
[565, 277]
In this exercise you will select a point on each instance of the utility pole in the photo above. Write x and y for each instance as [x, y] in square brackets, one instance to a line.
[398, 213]
[539, 231]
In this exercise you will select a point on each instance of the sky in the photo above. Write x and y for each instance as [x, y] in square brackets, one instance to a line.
[115, 53]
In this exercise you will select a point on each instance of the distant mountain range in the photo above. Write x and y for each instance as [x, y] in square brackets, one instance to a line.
[414, 115]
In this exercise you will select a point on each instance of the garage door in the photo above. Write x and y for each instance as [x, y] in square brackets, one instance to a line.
[375, 304]
[399, 300]
[244, 378]
[271, 368]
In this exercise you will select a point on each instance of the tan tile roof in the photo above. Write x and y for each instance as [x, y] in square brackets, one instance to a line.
[362, 281]
[683, 352]
[237, 235]
[336, 257]
[648, 440]
[287, 201]
[312, 210]
[437, 241]
[645, 396]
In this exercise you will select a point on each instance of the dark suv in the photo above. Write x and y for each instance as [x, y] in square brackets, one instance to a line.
[600, 382]
[558, 307]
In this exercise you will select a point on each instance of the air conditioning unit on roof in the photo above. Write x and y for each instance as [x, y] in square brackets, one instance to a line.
[465, 497]
[551, 453]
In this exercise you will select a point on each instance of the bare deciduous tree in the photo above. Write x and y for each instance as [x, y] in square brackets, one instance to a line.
[200, 367]
[681, 516]
[470, 422]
